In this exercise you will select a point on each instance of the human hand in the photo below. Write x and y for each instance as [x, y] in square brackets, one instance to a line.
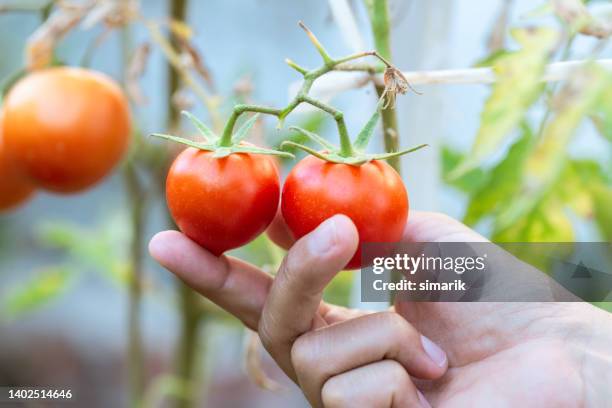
[499, 353]
[339, 357]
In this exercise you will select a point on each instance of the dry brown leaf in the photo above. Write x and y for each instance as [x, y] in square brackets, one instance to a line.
[497, 37]
[135, 70]
[113, 13]
[253, 364]
[193, 59]
[577, 16]
[40, 45]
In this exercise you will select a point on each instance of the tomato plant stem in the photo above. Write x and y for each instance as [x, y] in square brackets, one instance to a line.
[302, 96]
[381, 29]
[137, 204]
[135, 347]
[226, 137]
[346, 148]
[188, 343]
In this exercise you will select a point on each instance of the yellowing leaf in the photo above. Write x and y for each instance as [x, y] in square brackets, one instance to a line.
[518, 86]
[577, 98]
[546, 222]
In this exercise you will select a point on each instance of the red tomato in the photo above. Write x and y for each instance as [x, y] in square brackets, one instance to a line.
[222, 203]
[14, 190]
[66, 128]
[372, 195]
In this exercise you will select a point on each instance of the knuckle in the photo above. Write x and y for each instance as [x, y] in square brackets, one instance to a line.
[265, 335]
[302, 356]
[334, 395]
[396, 372]
[400, 327]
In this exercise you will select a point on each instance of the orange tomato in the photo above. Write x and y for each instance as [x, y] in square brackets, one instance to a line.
[14, 190]
[66, 128]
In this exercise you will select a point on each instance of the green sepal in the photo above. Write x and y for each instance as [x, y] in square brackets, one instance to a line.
[364, 136]
[315, 138]
[204, 130]
[187, 142]
[244, 129]
[261, 150]
[385, 156]
[357, 160]
[222, 152]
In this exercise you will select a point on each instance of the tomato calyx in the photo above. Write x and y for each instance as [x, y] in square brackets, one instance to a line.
[221, 146]
[352, 153]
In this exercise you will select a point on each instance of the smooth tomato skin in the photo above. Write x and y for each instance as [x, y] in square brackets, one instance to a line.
[222, 203]
[372, 195]
[66, 128]
[14, 189]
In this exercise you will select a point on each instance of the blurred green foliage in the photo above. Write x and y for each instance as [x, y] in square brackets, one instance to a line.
[537, 190]
[46, 285]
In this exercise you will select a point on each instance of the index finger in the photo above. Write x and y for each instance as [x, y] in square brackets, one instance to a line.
[295, 294]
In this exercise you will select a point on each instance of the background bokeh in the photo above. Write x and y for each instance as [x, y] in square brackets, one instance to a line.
[64, 302]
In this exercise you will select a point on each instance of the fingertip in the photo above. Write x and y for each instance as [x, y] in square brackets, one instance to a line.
[160, 243]
[334, 238]
[345, 228]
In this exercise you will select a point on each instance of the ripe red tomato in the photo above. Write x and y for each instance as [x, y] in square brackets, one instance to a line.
[222, 203]
[14, 190]
[372, 195]
[66, 127]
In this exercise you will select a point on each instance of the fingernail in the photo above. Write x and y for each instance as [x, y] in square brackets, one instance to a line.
[424, 402]
[323, 238]
[434, 351]
[157, 248]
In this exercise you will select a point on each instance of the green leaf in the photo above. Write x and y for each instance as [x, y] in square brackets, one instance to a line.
[546, 222]
[470, 181]
[544, 168]
[602, 205]
[577, 99]
[492, 58]
[244, 129]
[204, 130]
[503, 182]
[315, 138]
[517, 88]
[103, 248]
[602, 117]
[46, 286]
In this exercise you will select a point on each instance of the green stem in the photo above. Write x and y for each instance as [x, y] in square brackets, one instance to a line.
[226, 137]
[135, 346]
[315, 41]
[346, 147]
[329, 64]
[381, 30]
[137, 203]
[187, 348]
